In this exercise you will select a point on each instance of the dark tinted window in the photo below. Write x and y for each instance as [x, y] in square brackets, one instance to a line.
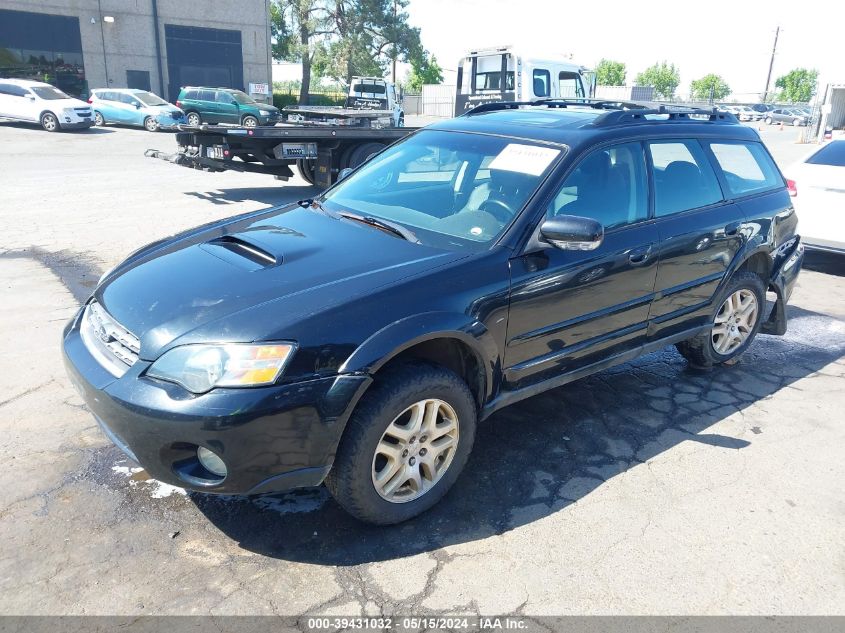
[191, 94]
[376, 89]
[542, 82]
[224, 97]
[609, 185]
[747, 167]
[683, 178]
[831, 154]
[11, 89]
[206, 95]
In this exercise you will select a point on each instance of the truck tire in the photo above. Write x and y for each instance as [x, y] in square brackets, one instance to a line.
[306, 170]
[404, 445]
[736, 322]
[362, 152]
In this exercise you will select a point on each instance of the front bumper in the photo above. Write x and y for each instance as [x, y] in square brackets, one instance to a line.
[166, 121]
[271, 438]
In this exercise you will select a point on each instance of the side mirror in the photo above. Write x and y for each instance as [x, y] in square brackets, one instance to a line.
[30, 97]
[572, 233]
[343, 173]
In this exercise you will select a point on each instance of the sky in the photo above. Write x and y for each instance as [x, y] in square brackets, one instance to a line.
[733, 40]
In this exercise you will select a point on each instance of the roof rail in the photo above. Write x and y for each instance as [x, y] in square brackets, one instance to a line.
[548, 102]
[673, 113]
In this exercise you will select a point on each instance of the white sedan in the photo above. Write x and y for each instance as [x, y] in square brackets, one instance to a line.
[817, 184]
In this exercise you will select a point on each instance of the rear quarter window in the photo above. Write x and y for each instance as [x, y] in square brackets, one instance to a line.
[747, 167]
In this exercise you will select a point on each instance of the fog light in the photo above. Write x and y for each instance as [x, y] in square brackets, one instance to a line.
[211, 462]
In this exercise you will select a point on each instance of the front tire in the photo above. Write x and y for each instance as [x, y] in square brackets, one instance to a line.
[99, 121]
[50, 122]
[150, 124]
[769, 121]
[404, 445]
[250, 121]
[735, 323]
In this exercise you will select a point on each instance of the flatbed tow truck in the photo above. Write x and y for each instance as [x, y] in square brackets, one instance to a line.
[319, 153]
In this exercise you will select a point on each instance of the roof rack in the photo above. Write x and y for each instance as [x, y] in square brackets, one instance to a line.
[548, 102]
[672, 113]
[618, 112]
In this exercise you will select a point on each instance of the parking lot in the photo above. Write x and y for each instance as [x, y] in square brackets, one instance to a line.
[649, 488]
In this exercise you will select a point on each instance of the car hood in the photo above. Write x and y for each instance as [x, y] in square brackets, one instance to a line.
[67, 103]
[289, 263]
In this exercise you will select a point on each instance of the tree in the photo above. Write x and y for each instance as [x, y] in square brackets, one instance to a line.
[424, 70]
[798, 85]
[298, 26]
[710, 87]
[663, 76]
[610, 73]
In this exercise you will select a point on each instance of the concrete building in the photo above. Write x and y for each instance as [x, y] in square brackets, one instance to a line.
[159, 45]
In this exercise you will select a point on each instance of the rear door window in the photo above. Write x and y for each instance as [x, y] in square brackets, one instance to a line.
[832, 154]
[206, 95]
[747, 167]
[683, 177]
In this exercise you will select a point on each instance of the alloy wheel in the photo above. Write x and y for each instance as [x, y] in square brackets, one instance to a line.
[415, 451]
[50, 122]
[98, 119]
[734, 321]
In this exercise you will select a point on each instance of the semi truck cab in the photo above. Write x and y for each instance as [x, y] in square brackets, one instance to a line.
[503, 74]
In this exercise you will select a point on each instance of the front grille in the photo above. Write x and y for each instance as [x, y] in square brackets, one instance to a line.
[114, 347]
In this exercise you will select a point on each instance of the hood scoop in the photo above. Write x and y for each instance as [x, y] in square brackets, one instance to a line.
[240, 252]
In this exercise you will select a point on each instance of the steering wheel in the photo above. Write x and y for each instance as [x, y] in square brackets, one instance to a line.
[499, 209]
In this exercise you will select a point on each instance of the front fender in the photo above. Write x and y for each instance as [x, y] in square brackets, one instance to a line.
[401, 335]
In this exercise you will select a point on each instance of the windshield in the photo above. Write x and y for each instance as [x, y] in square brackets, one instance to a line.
[242, 97]
[452, 190]
[148, 98]
[49, 93]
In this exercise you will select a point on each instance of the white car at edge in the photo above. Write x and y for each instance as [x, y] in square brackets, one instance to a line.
[38, 102]
[817, 184]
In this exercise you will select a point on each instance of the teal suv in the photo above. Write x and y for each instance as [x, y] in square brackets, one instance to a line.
[225, 105]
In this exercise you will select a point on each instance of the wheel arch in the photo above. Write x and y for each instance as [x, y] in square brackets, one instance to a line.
[456, 342]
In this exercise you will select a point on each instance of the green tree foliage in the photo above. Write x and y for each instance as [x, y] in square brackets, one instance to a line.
[424, 70]
[610, 73]
[710, 86]
[664, 77]
[798, 85]
[341, 38]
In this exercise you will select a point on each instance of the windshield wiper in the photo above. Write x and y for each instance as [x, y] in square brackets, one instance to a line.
[383, 225]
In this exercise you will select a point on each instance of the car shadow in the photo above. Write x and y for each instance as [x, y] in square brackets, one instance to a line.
[273, 196]
[538, 456]
[35, 126]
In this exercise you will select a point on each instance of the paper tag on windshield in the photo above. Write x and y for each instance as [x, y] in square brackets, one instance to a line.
[525, 159]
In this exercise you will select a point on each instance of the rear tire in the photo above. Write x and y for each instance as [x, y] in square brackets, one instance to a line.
[50, 122]
[363, 152]
[306, 170]
[150, 124]
[435, 411]
[733, 330]
[193, 119]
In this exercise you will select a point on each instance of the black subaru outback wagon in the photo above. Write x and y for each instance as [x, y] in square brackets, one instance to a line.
[358, 338]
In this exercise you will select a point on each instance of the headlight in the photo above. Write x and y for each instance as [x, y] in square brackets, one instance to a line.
[199, 368]
[264, 112]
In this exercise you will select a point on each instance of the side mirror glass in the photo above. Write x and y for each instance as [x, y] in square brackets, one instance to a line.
[572, 233]
[344, 173]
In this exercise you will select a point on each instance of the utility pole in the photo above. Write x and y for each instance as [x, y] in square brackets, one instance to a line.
[771, 64]
[394, 44]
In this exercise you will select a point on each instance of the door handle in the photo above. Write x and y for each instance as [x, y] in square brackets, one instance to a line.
[639, 256]
[733, 228]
